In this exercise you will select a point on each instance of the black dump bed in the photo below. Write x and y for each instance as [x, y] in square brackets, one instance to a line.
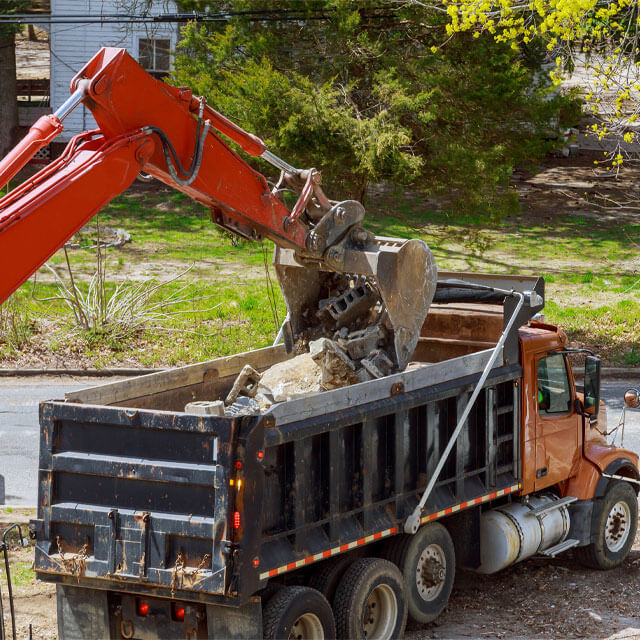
[136, 495]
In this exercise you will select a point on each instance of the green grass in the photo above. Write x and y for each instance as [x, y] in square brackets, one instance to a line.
[22, 574]
[590, 268]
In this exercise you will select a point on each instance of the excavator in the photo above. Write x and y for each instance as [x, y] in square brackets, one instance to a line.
[335, 275]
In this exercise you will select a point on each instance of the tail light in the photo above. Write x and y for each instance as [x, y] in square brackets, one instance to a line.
[142, 608]
[236, 519]
[177, 612]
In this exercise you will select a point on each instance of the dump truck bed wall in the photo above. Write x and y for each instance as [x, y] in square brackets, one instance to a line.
[356, 475]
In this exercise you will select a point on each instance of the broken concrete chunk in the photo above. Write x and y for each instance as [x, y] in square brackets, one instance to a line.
[246, 384]
[294, 378]
[359, 344]
[338, 369]
[243, 406]
[378, 364]
[206, 408]
[264, 400]
[349, 305]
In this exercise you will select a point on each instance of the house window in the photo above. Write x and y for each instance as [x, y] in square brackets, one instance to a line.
[153, 55]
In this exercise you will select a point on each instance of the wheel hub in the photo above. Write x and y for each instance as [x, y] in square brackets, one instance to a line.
[307, 627]
[616, 531]
[431, 572]
[380, 613]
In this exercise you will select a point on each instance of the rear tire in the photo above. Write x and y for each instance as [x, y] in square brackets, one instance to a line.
[370, 601]
[299, 612]
[428, 564]
[615, 529]
[327, 576]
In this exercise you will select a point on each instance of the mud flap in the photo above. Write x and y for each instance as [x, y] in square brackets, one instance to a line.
[235, 623]
[82, 613]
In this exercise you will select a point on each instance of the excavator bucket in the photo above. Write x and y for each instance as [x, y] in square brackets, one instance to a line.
[401, 274]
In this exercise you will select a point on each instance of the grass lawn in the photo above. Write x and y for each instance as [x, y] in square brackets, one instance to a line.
[590, 266]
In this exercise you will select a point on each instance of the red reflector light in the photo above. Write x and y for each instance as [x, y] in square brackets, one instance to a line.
[236, 520]
[178, 612]
[260, 455]
[142, 607]
[256, 562]
[238, 464]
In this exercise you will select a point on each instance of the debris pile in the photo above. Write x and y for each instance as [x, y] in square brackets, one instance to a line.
[360, 349]
[349, 358]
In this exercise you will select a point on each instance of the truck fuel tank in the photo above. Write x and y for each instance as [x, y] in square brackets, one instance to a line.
[519, 530]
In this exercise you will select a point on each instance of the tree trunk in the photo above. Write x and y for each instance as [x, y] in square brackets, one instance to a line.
[31, 30]
[8, 98]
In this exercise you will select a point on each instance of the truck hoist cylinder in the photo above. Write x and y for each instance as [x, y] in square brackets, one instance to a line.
[519, 530]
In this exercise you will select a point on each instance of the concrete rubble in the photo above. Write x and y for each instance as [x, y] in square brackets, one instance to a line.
[360, 348]
[349, 358]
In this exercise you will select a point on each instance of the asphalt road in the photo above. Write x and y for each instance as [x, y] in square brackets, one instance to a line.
[19, 432]
[19, 398]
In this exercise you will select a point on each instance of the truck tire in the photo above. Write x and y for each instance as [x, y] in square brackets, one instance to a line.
[327, 576]
[614, 530]
[370, 601]
[298, 612]
[428, 564]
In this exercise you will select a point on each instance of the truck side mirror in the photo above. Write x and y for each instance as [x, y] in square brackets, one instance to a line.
[632, 398]
[592, 385]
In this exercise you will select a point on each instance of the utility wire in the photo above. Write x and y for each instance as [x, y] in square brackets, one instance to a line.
[277, 15]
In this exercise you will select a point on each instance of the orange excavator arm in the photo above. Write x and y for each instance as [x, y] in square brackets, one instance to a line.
[147, 125]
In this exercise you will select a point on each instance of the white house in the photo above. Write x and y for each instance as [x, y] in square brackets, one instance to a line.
[74, 44]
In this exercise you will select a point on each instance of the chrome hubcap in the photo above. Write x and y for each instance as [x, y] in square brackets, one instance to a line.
[380, 613]
[616, 530]
[307, 626]
[431, 572]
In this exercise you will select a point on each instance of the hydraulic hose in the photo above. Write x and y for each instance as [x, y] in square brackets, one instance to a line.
[171, 157]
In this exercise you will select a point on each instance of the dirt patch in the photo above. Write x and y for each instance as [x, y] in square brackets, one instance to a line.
[576, 186]
[32, 58]
[34, 601]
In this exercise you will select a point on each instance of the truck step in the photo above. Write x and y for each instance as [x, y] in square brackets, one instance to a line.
[556, 504]
[559, 548]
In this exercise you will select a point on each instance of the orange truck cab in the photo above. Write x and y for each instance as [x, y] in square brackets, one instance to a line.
[564, 447]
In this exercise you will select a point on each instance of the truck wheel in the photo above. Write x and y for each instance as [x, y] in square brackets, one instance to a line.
[616, 529]
[370, 601]
[298, 612]
[428, 564]
[328, 575]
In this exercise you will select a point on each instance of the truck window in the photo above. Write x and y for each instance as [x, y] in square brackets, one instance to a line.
[554, 389]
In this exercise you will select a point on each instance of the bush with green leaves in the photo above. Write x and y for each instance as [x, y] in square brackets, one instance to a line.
[368, 94]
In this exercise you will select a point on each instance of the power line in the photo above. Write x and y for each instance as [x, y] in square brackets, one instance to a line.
[276, 15]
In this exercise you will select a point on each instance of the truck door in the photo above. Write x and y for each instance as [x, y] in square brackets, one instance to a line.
[557, 424]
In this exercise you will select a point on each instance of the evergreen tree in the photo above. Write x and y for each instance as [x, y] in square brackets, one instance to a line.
[368, 94]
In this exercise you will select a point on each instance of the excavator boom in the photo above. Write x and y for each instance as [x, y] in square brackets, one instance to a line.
[147, 125]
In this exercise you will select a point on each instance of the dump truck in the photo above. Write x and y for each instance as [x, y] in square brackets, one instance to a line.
[337, 514]
[448, 429]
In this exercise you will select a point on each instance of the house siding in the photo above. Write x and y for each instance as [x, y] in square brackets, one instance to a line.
[73, 45]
